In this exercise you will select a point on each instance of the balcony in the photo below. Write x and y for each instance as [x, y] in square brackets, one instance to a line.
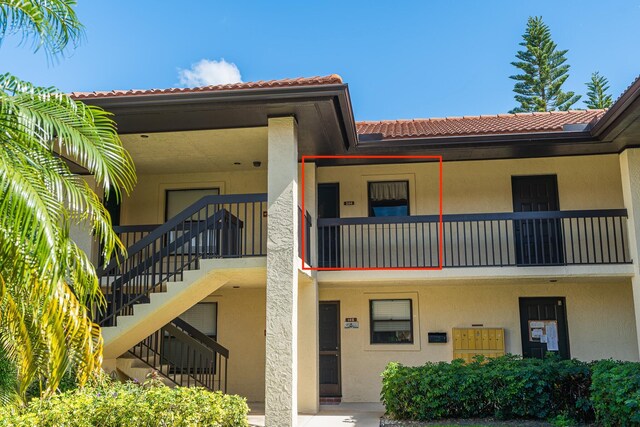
[552, 238]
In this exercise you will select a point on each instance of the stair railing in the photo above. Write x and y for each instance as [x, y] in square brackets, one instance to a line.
[220, 226]
[185, 356]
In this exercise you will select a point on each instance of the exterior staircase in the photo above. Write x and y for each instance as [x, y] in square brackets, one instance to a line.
[168, 269]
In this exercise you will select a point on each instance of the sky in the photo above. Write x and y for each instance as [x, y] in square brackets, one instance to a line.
[401, 59]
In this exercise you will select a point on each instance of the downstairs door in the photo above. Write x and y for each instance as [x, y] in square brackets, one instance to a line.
[543, 325]
[329, 336]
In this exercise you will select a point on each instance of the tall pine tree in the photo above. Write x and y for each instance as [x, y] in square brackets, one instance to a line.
[539, 87]
[597, 97]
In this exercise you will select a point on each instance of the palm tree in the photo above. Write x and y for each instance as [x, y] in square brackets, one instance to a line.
[46, 281]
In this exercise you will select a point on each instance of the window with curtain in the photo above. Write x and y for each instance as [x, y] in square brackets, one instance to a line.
[389, 198]
[391, 321]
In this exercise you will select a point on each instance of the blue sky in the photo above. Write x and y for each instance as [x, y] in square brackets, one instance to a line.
[402, 59]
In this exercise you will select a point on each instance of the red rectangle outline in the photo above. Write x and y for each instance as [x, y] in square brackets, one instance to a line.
[440, 223]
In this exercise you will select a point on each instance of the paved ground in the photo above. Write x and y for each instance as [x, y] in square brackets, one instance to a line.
[342, 415]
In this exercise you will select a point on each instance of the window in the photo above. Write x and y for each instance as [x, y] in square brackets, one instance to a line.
[391, 321]
[389, 198]
[177, 200]
[204, 317]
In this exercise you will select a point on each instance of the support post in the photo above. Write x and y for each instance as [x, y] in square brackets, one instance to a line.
[281, 371]
[308, 351]
[630, 174]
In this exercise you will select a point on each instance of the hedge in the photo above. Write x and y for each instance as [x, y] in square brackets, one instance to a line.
[615, 392]
[112, 404]
[513, 388]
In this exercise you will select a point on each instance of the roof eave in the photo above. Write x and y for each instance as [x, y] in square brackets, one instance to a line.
[339, 92]
[617, 113]
[482, 139]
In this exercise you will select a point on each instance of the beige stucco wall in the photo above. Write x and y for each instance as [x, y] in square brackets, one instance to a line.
[241, 329]
[584, 182]
[146, 205]
[600, 319]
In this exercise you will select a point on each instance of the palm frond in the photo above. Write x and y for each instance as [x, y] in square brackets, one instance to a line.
[47, 280]
[49, 24]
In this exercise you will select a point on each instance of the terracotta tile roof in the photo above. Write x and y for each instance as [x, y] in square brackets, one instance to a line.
[478, 125]
[263, 84]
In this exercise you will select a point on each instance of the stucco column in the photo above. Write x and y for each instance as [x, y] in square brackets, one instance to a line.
[308, 353]
[281, 373]
[630, 174]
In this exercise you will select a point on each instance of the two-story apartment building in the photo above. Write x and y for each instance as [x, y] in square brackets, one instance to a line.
[520, 234]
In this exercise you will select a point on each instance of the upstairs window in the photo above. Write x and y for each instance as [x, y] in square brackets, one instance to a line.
[178, 200]
[389, 198]
[391, 321]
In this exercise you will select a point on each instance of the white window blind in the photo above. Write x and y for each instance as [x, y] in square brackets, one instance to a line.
[391, 326]
[389, 190]
[391, 309]
[178, 200]
[203, 317]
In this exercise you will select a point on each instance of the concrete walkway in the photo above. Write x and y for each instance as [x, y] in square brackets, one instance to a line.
[342, 415]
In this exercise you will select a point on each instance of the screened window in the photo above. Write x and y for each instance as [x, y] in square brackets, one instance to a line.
[391, 321]
[203, 317]
[389, 198]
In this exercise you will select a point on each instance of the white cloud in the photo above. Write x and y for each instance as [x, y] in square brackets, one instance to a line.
[210, 72]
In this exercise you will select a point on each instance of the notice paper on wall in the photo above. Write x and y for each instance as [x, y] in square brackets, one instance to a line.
[544, 332]
[552, 336]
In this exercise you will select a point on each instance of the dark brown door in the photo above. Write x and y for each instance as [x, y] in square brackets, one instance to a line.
[329, 237]
[543, 324]
[538, 241]
[329, 320]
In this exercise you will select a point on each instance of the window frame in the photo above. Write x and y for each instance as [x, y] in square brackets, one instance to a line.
[372, 322]
[370, 208]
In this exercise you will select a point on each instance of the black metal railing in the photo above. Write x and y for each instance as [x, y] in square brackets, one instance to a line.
[131, 234]
[223, 226]
[185, 356]
[475, 240]
[307, 236]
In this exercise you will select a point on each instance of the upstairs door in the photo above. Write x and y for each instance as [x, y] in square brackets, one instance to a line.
[538, 241]
[329, 339]
[543, 325]
[329, 237]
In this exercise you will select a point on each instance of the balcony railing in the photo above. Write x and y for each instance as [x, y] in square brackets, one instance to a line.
[475, 240]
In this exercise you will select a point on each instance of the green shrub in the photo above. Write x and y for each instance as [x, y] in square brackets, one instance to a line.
[615, 392]
[7, 378]
[118, 404]
[506, 387]
[8, 381]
